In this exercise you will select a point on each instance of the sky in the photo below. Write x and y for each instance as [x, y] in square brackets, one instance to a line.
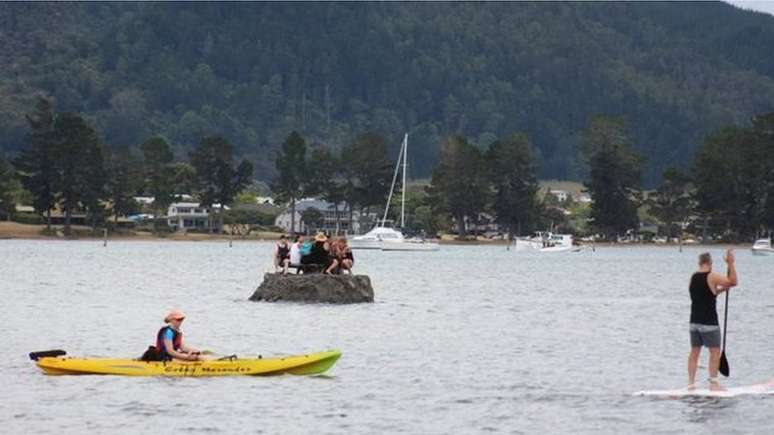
[756, 5]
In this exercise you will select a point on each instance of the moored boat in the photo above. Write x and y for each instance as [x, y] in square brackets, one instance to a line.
[385, 238]
[547, 242]
[306, 364]
[762, 247]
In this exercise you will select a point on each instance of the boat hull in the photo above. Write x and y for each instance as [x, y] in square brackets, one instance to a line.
[410, 246]
[308, 364]
[763, 251]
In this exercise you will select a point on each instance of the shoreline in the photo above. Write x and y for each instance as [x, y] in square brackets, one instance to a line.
[17, 231]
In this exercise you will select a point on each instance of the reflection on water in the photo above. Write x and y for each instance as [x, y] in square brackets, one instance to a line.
[463, 340]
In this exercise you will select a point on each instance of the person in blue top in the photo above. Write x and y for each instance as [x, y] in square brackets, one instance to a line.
[169, 340]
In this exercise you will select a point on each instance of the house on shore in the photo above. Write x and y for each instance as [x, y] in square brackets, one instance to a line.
[328, 220]
[184, 216]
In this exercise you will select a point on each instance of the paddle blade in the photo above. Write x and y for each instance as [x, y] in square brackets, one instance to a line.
[724, 369]
[46, 353]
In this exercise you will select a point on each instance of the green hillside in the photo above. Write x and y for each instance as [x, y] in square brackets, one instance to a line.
[253, 72]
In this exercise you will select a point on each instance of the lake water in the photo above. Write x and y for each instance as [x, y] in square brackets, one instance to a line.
[464, 340]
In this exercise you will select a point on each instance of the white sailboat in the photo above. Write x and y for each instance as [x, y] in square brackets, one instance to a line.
[391, 239]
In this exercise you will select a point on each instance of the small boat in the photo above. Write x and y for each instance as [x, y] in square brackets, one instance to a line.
[56, 363]
[762, 247]
[546, 242]
[390, 239]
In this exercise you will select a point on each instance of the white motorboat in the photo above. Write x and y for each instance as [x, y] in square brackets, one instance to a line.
[391, 239]
[762, 247]
[546, 242]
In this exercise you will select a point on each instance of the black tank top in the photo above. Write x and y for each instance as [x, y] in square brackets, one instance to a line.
[703, 309]
[283, 251]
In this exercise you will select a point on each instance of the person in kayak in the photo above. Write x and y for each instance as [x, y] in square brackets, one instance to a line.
[704, 329]
[169, 340]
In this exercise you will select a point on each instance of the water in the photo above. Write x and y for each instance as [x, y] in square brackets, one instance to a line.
[464, 340]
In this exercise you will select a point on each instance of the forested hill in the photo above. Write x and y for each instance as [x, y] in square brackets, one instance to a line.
[253, 72]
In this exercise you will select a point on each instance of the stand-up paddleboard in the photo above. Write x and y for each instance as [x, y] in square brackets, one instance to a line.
[763, 389]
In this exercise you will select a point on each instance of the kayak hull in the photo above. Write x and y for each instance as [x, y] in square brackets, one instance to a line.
[308, 364]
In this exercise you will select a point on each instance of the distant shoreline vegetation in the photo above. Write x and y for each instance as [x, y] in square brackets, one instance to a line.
[728, 195]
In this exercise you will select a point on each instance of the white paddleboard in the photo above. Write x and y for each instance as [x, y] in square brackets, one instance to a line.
[750, 390]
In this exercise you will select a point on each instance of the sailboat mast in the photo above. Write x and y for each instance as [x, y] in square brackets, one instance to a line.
[403, 189]
[392, 186]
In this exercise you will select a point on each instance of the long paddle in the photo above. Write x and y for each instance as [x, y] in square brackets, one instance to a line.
[724, 369]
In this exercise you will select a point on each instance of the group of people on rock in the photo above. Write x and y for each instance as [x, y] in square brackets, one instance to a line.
[318, 253]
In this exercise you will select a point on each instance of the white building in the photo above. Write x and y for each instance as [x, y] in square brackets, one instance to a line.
[330, 220]
[188, 215]
[561, 195]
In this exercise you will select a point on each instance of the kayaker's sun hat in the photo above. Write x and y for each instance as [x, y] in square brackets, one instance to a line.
[174, 315]
[320, 237]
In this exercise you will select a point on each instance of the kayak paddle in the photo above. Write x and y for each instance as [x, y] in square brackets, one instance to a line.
[724, 369]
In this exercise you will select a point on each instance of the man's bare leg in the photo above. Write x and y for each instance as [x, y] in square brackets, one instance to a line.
[714, 363]
[693, 363]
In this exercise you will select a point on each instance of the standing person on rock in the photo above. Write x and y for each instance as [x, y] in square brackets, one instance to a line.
[704, 328]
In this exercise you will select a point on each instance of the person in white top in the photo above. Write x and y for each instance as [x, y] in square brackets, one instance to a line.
[295, 250]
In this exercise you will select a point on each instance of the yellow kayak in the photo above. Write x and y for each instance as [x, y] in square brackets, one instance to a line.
[308, 364]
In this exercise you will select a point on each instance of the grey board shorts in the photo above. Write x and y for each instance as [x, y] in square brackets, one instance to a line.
[704, 335]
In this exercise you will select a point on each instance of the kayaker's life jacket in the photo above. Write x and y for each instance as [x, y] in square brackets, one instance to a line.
[177, 341]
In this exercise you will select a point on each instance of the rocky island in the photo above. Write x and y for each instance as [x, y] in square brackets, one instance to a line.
[316, 287]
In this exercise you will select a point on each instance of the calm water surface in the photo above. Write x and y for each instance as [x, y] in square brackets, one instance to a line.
[464, 340]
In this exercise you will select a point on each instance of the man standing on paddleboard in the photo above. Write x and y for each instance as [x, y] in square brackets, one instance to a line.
[704, 328]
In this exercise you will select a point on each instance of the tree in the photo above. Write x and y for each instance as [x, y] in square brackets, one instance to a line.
[511, 168]
[35, 165]
[366, 172]
[217, 179]
[459, 185]
[80, 166]
[184, 178]
[159, 175]
[124, 181]
[7, 202]
[312, 218]
[291, 166]
[614, 176]
[763, 134]
[324, 178]
[672, 202]
[726, 191]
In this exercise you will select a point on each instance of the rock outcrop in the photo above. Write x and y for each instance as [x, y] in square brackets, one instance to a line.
[334, 289]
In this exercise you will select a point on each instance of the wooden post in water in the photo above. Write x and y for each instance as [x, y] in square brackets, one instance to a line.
[104, 243]
[230, 235]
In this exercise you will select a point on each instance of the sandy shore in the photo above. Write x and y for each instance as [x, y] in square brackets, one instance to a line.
[13, 230]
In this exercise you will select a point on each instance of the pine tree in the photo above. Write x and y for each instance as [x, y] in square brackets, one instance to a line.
[217, 179]
[511, 168]
[35, 165]
[291, 168]
[614, 176]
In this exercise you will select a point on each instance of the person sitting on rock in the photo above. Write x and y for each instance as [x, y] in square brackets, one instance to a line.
[282, 255]
[295, 251]
[319, 256]
[342, 258]
[346, 260]
[333, 264]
